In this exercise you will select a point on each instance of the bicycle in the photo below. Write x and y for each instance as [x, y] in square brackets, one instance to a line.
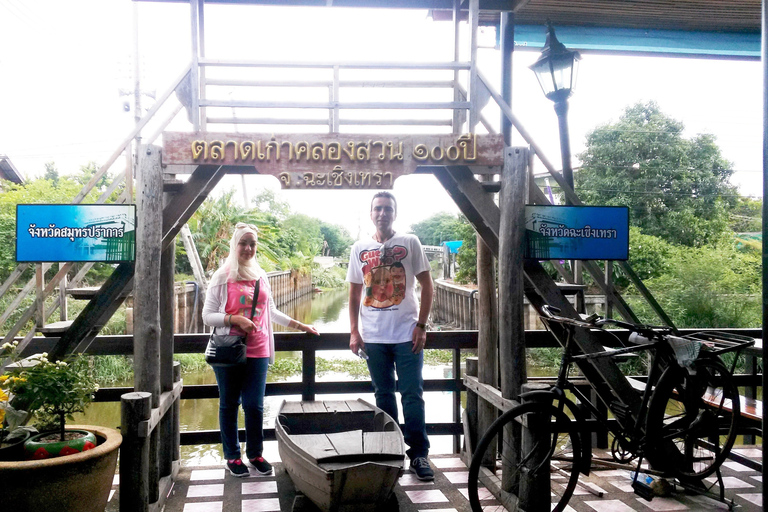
[684, 425]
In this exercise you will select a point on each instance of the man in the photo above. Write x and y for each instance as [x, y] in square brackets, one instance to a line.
[391, 327]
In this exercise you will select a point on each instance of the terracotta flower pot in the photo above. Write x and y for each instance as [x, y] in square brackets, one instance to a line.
[75, 483]
[47, 445]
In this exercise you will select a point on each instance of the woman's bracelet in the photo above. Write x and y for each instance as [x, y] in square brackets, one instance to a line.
[230, 320]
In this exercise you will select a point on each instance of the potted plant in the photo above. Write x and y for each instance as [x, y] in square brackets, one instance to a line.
[79, 479]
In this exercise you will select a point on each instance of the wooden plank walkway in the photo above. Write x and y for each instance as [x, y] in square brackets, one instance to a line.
[213, 489]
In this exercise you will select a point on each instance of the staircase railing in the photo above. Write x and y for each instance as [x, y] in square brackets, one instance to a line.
[37, 284]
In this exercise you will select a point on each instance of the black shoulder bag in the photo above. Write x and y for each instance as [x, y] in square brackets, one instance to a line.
[229, 349]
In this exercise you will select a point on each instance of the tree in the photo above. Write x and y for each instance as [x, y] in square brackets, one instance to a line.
[338, 238]
[213, 223]
[51, 173]
[747, 216]
[676, 188]
[707, 287]
[438, 228]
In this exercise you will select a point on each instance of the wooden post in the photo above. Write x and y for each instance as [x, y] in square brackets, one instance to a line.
[534, 491]
[470, 422]
[167, 302]
[474, 81]
[512, 196]
[511, 276]
[488, 331]
[608, 286]
[308, 369]
[176, 455]
[146, 292]
[135, 408]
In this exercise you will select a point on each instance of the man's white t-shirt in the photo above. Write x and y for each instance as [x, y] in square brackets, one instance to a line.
[389, 309]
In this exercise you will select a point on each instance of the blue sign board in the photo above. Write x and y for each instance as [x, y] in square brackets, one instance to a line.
[577, 232]
[75, 232]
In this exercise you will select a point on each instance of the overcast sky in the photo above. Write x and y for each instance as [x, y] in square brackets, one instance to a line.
[63, 64]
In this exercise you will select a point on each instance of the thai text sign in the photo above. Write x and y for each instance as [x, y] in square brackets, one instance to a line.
[577, 232]
[75, 232]
[307, 161]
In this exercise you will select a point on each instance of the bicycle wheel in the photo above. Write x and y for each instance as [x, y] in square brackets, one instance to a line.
[691, 423]
[554, 461]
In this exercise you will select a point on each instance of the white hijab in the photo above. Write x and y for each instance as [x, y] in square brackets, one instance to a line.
[233, 269]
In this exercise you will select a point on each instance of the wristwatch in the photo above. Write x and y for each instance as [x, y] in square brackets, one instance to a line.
[421, 325]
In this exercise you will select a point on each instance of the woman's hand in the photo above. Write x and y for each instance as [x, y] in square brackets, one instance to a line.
[242, 323]
[309, 329]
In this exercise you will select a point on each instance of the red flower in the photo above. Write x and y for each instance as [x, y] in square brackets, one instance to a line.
[68, 450]
[88, 446]
[41, 453]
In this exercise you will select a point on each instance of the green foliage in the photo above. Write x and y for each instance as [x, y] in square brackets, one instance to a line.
[213, 223]
[191, 362]
[649, 256]
[112, 369]
[300, 233]
[467, 256]
[438, 228]
[676, 188]
[747, 216]
[338, 238]
[333, 277]
[708, 287]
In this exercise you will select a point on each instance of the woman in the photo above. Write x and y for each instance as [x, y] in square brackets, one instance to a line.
[228, 309]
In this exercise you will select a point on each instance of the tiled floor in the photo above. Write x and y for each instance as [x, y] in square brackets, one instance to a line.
[206, 489]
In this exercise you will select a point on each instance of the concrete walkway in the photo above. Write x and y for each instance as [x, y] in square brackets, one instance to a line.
[213, 489]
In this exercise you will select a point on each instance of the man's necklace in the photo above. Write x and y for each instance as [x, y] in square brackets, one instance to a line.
[377, 238]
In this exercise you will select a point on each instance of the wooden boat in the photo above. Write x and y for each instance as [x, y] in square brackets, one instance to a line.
[342, 455]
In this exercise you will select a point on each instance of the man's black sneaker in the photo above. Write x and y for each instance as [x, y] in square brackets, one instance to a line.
[260, 465]
[237, 468]
[420, 467]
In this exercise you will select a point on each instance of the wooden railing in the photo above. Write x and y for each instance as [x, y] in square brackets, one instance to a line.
[309, 388]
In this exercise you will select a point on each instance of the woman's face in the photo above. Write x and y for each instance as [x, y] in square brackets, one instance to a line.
[246, 247]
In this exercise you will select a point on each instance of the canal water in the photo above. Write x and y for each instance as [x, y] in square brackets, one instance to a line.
[328, 312]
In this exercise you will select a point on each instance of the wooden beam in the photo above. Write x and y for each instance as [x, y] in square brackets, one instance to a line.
[476, 204]
[202, 181]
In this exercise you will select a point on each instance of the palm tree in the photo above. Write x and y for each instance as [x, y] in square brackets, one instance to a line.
[212, 227]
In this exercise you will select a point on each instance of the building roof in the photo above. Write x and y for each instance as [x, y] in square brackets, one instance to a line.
[720, 16]
[8, 171]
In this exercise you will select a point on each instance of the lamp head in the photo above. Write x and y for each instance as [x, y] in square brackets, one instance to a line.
[556, 68]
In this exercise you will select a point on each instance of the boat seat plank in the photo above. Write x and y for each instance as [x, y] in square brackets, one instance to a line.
[357, 405]
[313, 407]
[317, 446]
[291, 408]
[383, 442]
[336, 406]
[347, 443]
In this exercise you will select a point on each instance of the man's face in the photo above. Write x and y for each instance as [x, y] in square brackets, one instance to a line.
[383, 213]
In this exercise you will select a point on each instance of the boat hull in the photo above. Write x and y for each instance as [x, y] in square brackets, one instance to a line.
[338, 469]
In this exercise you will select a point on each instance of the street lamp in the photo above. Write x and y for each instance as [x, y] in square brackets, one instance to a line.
[556, 70]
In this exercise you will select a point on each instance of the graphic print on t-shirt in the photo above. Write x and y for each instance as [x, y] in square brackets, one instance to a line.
[245, 301]
[384, 276]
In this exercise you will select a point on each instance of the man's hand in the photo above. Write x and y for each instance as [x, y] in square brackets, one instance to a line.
[355, 342]
[419, 339]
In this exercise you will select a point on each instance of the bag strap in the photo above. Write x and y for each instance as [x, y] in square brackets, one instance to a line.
[255, 296]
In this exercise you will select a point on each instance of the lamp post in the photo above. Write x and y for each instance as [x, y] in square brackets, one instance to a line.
[556, 70]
